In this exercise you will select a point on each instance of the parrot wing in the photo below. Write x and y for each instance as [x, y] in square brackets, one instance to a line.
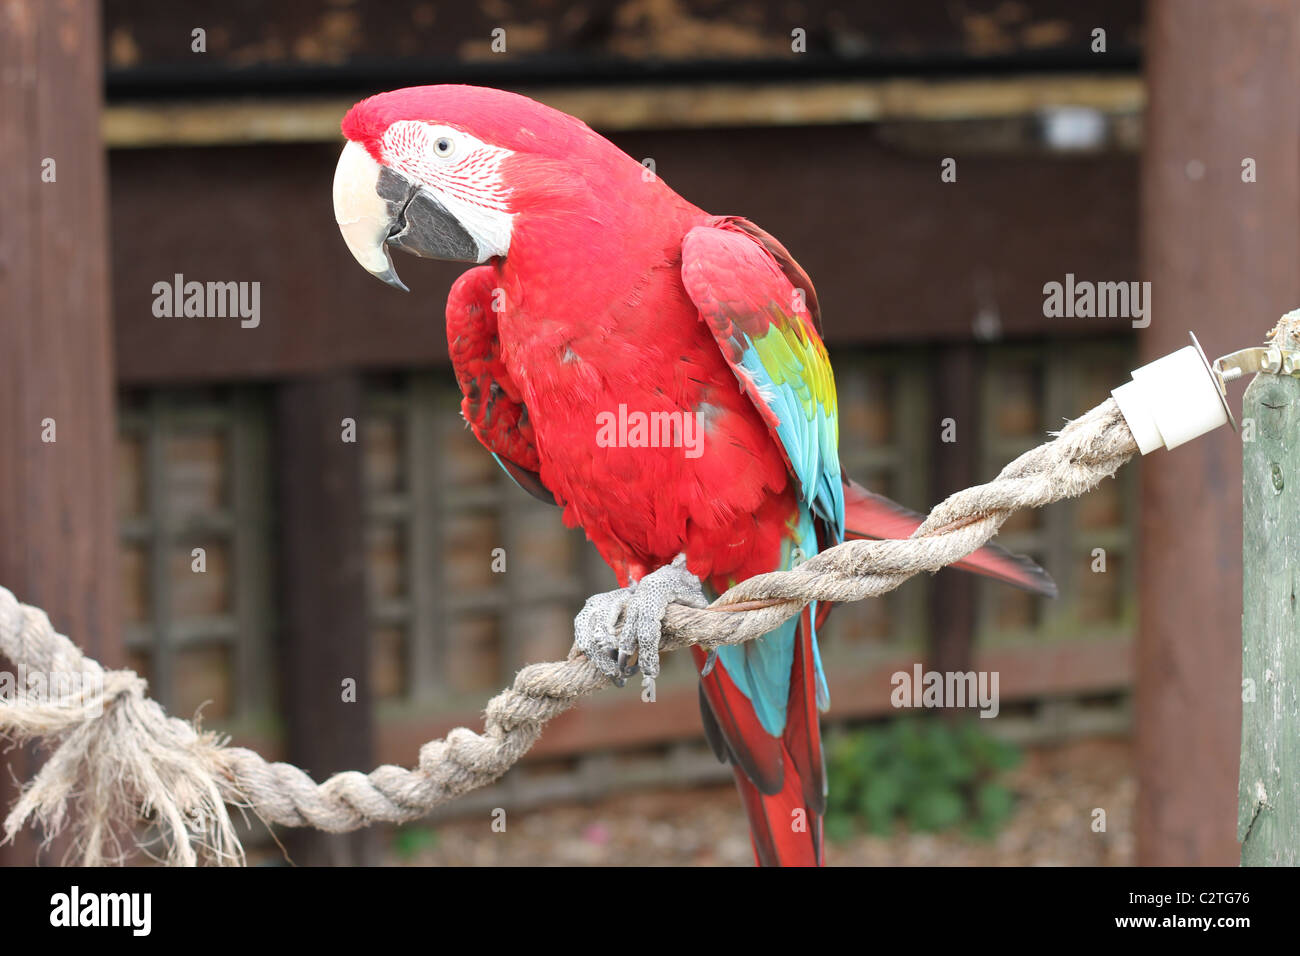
[762, 310]
[493, 406]
[761, 700]
[744, 283]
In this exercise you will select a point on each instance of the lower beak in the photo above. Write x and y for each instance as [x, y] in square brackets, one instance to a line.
[376, 207]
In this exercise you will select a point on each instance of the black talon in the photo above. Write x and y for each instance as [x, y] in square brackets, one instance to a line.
[709, 662]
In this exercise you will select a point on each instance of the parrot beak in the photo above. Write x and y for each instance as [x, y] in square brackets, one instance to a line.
[377, 207]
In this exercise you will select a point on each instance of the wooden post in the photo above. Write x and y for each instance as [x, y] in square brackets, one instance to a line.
[954, 466]
[1268, 797]
[58, 547]
[324, 627]
[1220, 248]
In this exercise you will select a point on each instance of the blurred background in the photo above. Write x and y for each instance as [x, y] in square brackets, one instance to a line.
[199, 139]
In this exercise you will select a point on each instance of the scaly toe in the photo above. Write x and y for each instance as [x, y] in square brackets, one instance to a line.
[593, 630]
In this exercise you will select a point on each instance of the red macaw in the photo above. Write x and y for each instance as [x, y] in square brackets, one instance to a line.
[656, 371]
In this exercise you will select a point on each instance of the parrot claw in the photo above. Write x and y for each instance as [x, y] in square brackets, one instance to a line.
[623, 665]
[641, 606]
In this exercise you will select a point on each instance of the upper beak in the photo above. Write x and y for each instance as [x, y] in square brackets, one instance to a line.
[376, 207]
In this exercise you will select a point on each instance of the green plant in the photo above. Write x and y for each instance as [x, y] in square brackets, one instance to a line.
[410, 841]
[931, 773]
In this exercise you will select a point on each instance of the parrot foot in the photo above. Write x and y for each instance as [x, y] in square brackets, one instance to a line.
[642, 606]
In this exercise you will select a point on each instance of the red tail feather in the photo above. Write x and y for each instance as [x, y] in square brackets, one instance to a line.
[869, 515]
[782, 781]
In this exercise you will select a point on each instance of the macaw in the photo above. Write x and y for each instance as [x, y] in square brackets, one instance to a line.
[600, 294]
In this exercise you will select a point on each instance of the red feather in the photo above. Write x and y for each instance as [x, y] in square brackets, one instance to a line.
[492, 406]
[869, 515]
[782, 781]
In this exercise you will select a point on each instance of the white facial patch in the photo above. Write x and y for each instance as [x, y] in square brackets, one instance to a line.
[462, 172]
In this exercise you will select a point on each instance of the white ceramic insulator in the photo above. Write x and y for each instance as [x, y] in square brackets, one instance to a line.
[1171, 401]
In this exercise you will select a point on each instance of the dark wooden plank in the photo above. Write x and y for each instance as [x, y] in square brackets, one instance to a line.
[58, 549]
[869, 223]
[322, 597]
[954, 465]
[618, 719]
[310, 42]
[1222, 256]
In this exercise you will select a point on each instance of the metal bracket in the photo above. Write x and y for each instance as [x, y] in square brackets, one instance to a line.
[1261, 358]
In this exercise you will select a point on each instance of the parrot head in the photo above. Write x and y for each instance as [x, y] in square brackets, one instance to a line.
[447, 172]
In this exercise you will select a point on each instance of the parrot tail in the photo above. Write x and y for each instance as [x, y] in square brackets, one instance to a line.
[869, 515]
[782, 780]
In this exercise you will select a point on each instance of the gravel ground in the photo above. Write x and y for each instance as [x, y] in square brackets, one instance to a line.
[1058, 790]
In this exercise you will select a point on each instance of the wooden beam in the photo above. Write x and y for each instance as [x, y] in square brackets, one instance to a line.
[868, 222]
[1222, 256]
[406, 41]
[615, 719]
[955, 385]
[136, 125]
[58, 549]
[324, 628]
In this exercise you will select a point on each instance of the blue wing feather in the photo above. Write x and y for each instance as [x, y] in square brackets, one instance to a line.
[746, 295]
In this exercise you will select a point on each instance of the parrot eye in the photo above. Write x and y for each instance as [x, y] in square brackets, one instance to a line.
[444, 146]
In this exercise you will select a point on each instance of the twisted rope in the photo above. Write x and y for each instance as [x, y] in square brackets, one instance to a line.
[123, 759]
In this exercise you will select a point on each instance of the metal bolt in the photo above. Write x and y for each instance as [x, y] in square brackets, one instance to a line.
[1278, 481]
